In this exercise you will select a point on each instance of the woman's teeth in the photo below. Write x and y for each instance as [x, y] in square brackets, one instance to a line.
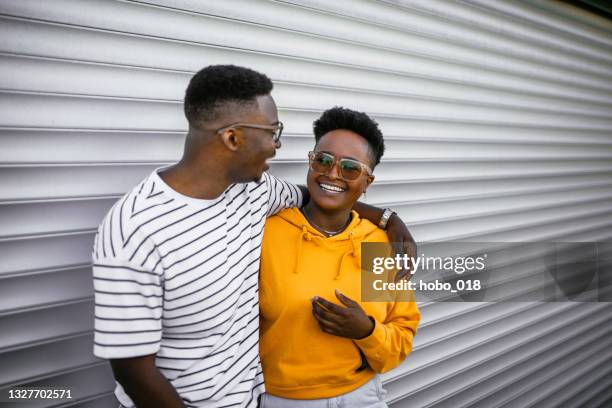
[331, 188]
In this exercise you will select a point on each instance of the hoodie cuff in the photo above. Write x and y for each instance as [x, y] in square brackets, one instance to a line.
[373, 344]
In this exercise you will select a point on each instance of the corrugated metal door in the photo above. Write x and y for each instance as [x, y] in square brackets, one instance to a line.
[497, 116]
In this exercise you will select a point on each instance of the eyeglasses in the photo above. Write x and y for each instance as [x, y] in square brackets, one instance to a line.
[349, 169]
[277, 130]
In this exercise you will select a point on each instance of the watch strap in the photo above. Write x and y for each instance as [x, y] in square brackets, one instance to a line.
[385, 218]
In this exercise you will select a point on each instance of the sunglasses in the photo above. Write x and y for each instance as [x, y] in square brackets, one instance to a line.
[349, 169]
[277, 130]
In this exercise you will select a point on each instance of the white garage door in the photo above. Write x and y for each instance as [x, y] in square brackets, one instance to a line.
[498, 122]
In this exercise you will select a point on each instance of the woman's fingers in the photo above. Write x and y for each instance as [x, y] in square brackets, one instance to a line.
[329, 327]
[332, 307]
[347, 301]
[325, 314]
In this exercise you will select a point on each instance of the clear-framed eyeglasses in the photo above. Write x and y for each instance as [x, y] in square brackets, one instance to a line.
[348, 169]
[277, 130]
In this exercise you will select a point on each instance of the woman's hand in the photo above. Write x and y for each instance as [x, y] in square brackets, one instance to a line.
[350, 321]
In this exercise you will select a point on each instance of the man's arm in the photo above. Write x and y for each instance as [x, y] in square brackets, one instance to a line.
[398, 233]
[282, 194]
[305, 194]
[144, 384]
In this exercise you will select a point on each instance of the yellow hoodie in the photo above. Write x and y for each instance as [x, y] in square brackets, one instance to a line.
[297, 263]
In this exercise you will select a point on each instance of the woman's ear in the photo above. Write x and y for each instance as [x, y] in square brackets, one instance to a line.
[369, 180]
[231, 139]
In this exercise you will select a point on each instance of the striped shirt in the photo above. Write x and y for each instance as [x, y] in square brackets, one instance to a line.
[177, 277]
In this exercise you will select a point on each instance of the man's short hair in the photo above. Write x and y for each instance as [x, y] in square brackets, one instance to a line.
[358, 122]
[216, 86]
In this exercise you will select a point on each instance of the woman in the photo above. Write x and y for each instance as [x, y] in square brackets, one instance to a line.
[317, 341]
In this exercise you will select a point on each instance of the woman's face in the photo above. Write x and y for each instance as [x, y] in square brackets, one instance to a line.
[323, 187]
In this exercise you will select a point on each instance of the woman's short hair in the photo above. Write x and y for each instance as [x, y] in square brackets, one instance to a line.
[358, 122]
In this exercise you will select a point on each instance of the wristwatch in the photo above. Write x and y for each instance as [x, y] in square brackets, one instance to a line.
[385, 218]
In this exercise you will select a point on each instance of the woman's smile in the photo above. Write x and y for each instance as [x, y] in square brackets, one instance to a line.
[331, 188]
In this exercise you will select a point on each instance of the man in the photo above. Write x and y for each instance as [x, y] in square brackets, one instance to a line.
[175, 261]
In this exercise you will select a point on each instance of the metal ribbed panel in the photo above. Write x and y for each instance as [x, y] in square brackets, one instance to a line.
[497, 121]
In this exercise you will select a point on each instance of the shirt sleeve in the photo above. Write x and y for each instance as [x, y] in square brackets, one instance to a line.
[128, 301]
[391, 341]
[281, 194]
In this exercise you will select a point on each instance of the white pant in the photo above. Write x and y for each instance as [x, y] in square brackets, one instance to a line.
[369, 395]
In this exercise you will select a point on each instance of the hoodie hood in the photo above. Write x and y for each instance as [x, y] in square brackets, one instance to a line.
[348, 241]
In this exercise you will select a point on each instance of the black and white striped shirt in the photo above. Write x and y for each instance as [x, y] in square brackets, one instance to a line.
[177, 277]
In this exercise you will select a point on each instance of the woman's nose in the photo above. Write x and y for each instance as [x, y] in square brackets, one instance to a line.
[334, 172]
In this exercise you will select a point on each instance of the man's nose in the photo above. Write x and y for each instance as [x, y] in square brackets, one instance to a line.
[277, 144]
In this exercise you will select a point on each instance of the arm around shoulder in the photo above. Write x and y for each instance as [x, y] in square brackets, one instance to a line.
[283, 194]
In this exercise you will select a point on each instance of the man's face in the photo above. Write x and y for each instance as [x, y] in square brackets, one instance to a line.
[259, 145]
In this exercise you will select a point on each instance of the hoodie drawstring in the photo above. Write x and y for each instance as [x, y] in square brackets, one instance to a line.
[305, 235]
[355, 251]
